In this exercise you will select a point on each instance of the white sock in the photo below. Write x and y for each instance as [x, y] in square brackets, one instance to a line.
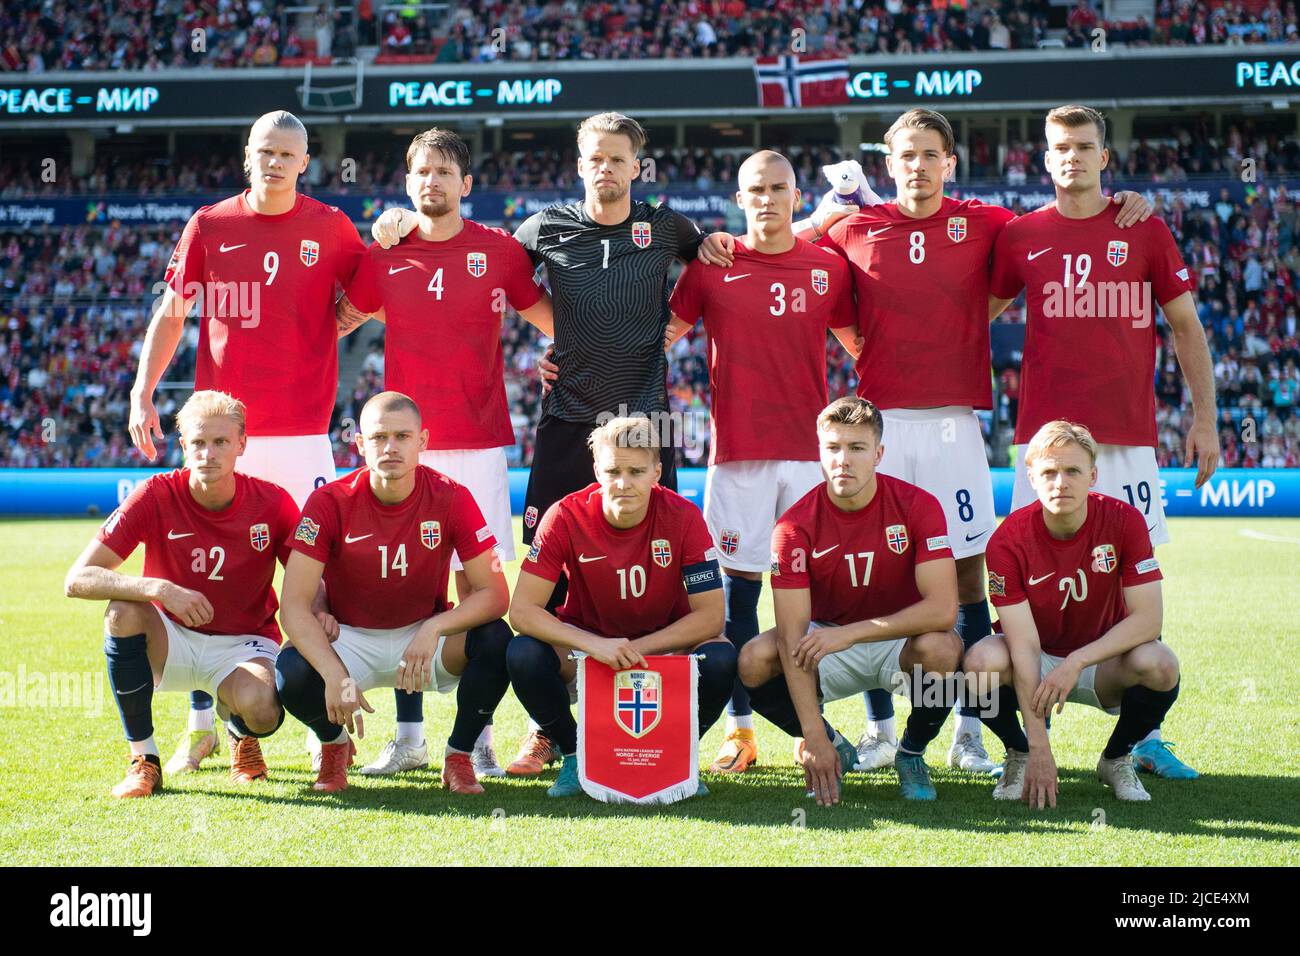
[968, 725]
[484, 737]
[410, 732]
[452, 750]
[203, 719]
[143, 747]
[342, 738]
[883, 730]
[742, 722]
[534, 726]
[1154, 735]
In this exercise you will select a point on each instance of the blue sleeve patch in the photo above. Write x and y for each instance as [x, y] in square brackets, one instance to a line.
[705, 576]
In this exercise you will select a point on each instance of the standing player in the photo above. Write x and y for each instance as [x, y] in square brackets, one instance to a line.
[607, 260]
[766, 317]
[203, 613]
[1079, 608]
[865, 593]
[643, 579]
[442, 295]
[381, 539]
[263, 266]
[1090, 322]
[921, 270]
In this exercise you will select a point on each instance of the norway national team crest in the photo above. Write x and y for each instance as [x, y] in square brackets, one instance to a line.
[1103, 558]
[729, 541]
[896, 538]
[430, 534]
[956, 228]
[662, 552]
[821, 281]
[309, 252]
[1117, 253]
[476, 263]
[530, 515]
[641, 234]
[637, 698]
[259, 535]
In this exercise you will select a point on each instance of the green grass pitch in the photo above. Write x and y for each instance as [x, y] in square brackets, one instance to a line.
[1231, 611]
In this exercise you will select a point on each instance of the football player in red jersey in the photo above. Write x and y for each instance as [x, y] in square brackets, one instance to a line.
[442, 295]
[203, 612]
[921, 269]
[381, 539]
[766, 317]
[1079, 609]
[643, 579]
[263, 267]
[865, 593]
[1090, 290]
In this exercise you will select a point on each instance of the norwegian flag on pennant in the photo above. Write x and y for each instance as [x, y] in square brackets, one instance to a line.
[805, 80]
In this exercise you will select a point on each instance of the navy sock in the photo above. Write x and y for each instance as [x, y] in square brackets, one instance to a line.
[773, 701]
[880, 704]
[483, 684]
[742, 597]
[1141, 710]
[973, 625]
[1004, 723]
[410, 706]
[131, 678]
[200, 700]
[302, 691]
[717, 670]
[924, 722]
[241, 729]
[534, 670]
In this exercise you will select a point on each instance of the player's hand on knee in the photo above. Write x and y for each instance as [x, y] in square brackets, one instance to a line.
[416, 666]
[1055, 688]
[391, 226]
[1133, 209]
[329, 624]
[144, 425]
[1040, 779]
[818, 643]
[189, 607]
[717, 249]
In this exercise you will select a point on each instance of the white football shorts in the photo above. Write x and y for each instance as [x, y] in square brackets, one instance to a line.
[1084, 691]
[198, 661]
[862, 667]
[941, 450]
[297, 463]
[744, 499]
[372, 656]
[487, 476]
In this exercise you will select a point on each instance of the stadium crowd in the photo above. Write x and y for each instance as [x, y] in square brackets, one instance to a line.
[74, 305]
[42, 35]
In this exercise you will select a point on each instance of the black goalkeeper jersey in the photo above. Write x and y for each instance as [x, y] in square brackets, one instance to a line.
[609, 286]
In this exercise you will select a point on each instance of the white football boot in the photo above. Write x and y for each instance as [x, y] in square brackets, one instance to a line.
[875, 752]
[1012, 784]
[968, 753]
[398, 757]
[1119, 775]
[485, 761]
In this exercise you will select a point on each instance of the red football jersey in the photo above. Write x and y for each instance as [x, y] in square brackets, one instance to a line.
[228, 556]
[859, 565]
[623, 582]
[1090, 341]
[387, 566]
[267, 333]
[1075, 588]
[443, 304]
[766, 317]
[922, 288]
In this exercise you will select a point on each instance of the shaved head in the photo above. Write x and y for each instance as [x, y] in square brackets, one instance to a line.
[772, 163]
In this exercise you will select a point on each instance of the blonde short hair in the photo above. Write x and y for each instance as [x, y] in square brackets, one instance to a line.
[614, 123]
[1073, 116]
[627, 432]
[852, 410]
[276, 119]
[209, 404]
[1058, 434]
[921, 118]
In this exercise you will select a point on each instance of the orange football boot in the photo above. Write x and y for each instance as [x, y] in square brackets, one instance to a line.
[246, 763]
[738, 753]
[536, 752]
[143, 778]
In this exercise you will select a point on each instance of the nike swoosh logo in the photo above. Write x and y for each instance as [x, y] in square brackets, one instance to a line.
[173, 536]
[972, 537]
[348, 539]
[226, 248]
[565, 238]
[872, 233]
[123, 693]
[393, 272]
[1039, 580]
[734, 278]
[1151, 530]
[818, 554]
[1035, 255]
[583, 559]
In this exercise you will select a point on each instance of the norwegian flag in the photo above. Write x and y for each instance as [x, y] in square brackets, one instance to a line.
[729, 541]
[807, 80]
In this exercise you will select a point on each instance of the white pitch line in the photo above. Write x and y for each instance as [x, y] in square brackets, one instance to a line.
[1261, 536]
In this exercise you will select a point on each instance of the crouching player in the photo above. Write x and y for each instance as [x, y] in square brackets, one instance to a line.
[202, 615]
[1077, 592]
[382, 538]
[643, 579]
[865, 593]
